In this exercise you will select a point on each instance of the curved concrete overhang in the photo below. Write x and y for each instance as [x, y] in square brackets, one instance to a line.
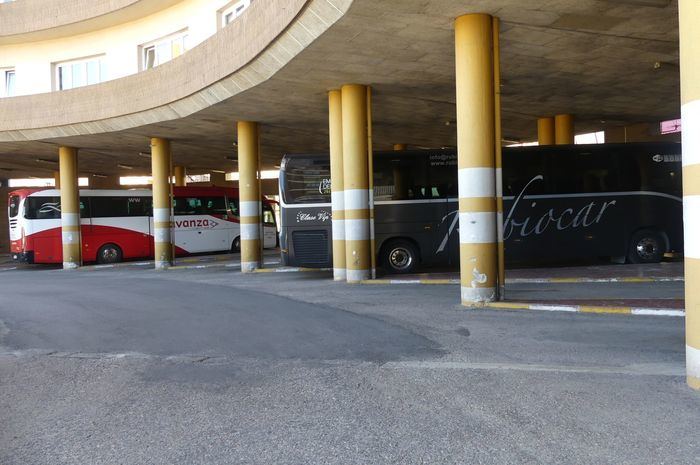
[61, 18]
[267, 37]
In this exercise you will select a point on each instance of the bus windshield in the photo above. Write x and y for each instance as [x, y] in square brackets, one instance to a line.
[306, 180]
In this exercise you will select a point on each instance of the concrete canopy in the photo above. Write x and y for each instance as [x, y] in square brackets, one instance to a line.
[607, 62]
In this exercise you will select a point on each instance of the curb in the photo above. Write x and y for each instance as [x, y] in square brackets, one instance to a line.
[429, 281]
[289, 269]
[585, 309]
[410, 281]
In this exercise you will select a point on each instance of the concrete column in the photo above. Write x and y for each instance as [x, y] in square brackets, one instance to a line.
[498, 152]
[356, 182]
[162, 203]
[475, 158]
[400, 147]
[180, 174]
[249, 194]
[70, 207]
[335, 133]
[545, 131]
[564, 129]
[689, 14]
[57, 179]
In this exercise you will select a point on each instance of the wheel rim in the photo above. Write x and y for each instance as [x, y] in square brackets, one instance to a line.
[647, 248]
[400, 258]
[110, 254]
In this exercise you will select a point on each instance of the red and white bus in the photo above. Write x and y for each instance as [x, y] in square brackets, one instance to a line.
[117, 225]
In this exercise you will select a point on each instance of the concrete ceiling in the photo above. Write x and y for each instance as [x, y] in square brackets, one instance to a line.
[593, 58]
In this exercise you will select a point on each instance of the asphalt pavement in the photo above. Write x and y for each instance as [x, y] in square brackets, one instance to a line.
[210, 366]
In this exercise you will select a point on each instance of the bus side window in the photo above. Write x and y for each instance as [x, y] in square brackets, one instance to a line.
[233, 206]
[268, 215]
[214, 205]
[84, 207]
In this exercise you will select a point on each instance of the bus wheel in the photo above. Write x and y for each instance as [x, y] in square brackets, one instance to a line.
[400, 257]
[236, 246]
[646, 246]
[109, 253]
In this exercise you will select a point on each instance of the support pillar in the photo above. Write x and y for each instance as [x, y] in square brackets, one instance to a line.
[70, 207]
[400, 147]
[335, 133]
[162, 203]
[498, 152]
[564, 129]
[476, 159]
[249, 194]
[545, 131]
[689, 13]
[356, 182]
[180, 175]
[57, 179]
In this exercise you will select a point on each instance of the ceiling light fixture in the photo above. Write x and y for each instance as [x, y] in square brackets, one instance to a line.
[47, 161]
[125, 167]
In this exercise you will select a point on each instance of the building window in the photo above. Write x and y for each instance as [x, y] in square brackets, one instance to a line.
[233, 11]
[79, 73]
[165, 49]
[8, 83]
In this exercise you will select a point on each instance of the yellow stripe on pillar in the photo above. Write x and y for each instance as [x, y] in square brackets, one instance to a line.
[162, 203]
[335, 139]
[180, 175]
[70, 208]
[476, 158]
[689, 14]
[249, 194]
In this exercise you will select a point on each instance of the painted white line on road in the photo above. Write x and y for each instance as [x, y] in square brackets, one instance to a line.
[652, 369]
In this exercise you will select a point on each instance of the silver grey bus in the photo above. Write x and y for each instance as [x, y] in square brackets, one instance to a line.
[560, 202]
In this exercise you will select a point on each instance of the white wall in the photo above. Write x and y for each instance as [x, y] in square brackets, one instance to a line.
[120, 44]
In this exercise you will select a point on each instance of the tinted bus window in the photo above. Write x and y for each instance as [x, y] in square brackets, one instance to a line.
[307, 181]
[103, 207]
[13, 206]
[199, 205]
[233, 206]
[268, 215]
[402, 176]
[443, 175]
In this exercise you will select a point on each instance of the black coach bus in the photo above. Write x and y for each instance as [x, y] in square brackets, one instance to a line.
[560, 202]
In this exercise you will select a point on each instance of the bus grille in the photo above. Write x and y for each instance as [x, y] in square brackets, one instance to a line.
[311, 248]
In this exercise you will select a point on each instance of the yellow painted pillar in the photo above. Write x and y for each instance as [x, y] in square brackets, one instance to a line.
[162, 203]
[370, 188]
[545, 131]
[249, 195]
[564, 129]
[400, 147]
[70, 207]
[356, 182]
[57, 179]
[335, 134]
[689, 14]
[180, 174]
[498, 135]
[476, 158]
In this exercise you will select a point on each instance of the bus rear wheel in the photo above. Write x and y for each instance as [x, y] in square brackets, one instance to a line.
[236, 246]
[109, 253]
[646, 246]
[400, 256]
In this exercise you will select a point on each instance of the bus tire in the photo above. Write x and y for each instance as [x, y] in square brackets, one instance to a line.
[109, 253]
[646, 246]
[236, 245]
[399, 256]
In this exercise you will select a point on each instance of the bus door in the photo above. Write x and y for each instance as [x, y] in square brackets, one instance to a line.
[201, 224]
[269, 227]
